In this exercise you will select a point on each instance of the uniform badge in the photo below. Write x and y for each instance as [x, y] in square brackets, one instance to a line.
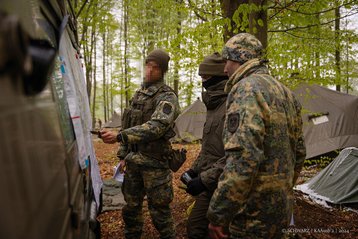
[233, 122]
[167, 108]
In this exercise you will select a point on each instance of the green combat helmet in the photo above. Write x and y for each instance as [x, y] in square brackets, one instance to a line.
[242, 47]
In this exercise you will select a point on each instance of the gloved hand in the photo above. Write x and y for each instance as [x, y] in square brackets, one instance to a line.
[195, 186]
[184, 177]
[192, 173]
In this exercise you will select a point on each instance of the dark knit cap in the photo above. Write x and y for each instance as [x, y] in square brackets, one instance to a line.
[160, 57]
[213, 65]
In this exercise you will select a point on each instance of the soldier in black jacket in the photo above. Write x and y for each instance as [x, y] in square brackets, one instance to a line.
[207, 168]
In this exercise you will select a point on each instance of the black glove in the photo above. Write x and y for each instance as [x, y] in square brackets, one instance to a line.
[184, 177]
[195, 186]
[192, 173]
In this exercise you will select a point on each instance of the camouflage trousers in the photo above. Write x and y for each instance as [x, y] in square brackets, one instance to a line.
[156, 183]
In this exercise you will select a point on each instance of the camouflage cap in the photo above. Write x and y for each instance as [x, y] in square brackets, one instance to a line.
[242, 47]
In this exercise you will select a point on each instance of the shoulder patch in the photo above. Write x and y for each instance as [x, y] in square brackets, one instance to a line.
[233, 122]
[167, 108]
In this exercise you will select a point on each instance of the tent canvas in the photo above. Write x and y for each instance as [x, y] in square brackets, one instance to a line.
[189, 124]
[329, 119]
[338, 182]
[114, 122]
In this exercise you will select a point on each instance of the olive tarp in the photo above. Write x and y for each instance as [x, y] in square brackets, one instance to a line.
[114, 122]
[330, 119]
[190, 123]
[338, 182]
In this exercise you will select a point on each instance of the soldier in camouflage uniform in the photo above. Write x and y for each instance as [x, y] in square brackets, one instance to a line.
[146, 129]
[264, 148]
[208, 166]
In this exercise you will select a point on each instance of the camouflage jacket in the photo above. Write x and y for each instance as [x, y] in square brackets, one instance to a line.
[264, 153]
[211, 159]
[149, 119]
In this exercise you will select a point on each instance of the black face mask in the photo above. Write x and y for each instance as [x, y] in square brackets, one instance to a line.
[215, 95]
[213, 81]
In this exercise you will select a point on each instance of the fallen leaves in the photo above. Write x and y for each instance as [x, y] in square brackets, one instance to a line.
[307, 214]
[112, 225]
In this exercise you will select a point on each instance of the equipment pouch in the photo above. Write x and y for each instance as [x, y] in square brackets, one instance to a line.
[126, 119]
[136, 117]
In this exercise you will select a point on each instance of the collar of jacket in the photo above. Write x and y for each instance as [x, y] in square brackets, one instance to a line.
[150, 88]
[243, 71]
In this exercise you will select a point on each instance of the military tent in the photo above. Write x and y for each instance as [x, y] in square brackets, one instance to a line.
[329, 119]
[189, 124]
[338, 182]
[114, 122]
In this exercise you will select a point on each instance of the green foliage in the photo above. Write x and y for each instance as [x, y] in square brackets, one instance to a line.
[321, 161]
[302, 41]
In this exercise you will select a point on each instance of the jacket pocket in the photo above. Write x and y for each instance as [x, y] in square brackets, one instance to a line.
[136, 117]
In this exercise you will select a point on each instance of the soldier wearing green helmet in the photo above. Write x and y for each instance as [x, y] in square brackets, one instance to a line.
[264, 148]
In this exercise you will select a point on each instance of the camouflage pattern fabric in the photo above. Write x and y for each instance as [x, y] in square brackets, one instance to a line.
[152, 123]
[166, 111]
[152, 114]
[157, 185]
[242, 47]
[265, 151]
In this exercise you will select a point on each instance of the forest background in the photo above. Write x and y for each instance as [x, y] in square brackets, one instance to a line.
[306, 41]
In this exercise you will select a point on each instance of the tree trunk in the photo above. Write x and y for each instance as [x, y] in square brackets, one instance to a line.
[88, 49]
[108, 70]
[338, 47]
[176, 62]
[88, 56]
[347, 58]
[126, 65]
[104, 77]
[111, 80]
[214, 43]
[317, 53]
[228, 8]
[119, 60]
[259, 30]
[94, 72]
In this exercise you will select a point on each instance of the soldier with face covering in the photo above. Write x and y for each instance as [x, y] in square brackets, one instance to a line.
[207, 168]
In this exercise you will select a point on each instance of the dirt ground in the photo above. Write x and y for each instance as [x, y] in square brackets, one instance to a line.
[311, 220]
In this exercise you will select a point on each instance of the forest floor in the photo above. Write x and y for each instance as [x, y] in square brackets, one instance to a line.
[311, 220]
